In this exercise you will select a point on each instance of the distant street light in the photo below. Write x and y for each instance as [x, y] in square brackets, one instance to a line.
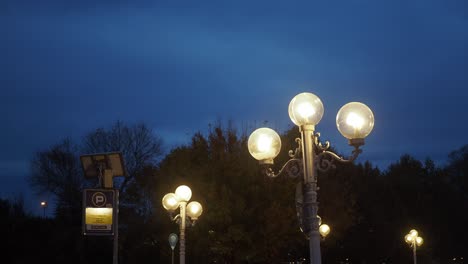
[44, 207]
[179, 199]
[414, 241]
[354, 121]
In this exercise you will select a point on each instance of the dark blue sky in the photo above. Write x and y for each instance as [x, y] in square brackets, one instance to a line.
[68, 67]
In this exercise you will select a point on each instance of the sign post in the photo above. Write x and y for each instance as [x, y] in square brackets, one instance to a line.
[100, 207]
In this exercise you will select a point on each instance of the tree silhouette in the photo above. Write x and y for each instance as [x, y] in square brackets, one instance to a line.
[248, 217]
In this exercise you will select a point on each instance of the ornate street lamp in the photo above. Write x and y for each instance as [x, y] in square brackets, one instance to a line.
[354, 121]
[193, 210]
[414, 241]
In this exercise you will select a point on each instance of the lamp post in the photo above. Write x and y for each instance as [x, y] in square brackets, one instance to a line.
[172, 243]
[414, 241]
[44, 206]
[179, 199]
[354, 121]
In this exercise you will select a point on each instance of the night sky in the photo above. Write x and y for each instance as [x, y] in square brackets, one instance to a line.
[68, 67]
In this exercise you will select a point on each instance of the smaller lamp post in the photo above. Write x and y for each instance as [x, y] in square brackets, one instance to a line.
[179, 199]
[44, 206]
[172, 243]
[414, 241]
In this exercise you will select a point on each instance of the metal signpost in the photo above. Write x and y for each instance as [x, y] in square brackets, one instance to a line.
[100, 211]
[101, 206]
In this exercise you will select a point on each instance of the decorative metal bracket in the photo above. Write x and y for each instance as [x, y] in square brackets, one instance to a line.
[325, 158]
[174, 218]
[292, 168]
[178, 219]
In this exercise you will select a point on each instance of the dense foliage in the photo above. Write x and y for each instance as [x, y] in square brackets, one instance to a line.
[250, 218]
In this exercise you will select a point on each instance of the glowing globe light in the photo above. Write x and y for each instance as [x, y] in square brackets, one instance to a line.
[170, 202]
[409, 238]
[355, 120]
[264, 144]
[419, 241]
[194, 210]
[305, 109]
[184, 193]
[324, 230]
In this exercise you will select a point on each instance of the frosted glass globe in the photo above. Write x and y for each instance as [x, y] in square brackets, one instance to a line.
[324, 230]
[184, 193]
[170, 202]
[305, 109]
[355, 120]
[264, 144]
[194, 210]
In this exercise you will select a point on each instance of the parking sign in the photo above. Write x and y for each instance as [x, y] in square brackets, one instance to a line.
[100, 209]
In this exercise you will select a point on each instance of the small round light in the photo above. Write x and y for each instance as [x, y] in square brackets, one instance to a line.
[184, 193]
[170, 202]
[324, 230]
[409, 238]
[355, 120]
[264, 144]
[43, 203]
[305, 109]
[419, 241]
[194, 210]
[413, 233]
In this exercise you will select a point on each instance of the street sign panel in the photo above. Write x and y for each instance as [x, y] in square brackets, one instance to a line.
[100, 209]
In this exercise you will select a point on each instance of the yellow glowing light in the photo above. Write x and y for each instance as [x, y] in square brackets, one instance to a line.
[170, 202]
[194, 210]
[184, 193]
[413, 233]
[409, 238]
[355, 120]
[43, 203]
[324, 230]
[264, 143]
[305, 110]
[419, 241]
[98, 216]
